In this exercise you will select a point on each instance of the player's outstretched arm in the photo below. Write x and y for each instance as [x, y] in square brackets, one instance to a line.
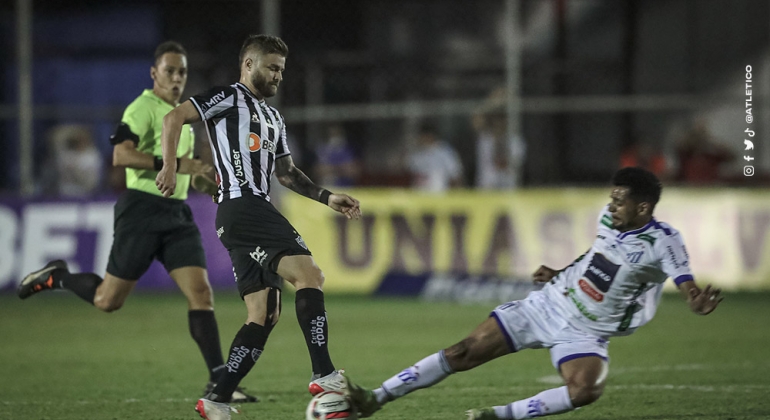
[169, 141]
[294, 179]
[702, 302]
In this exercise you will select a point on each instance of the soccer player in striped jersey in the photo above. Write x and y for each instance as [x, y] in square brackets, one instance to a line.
[611, 290]
[248, 141]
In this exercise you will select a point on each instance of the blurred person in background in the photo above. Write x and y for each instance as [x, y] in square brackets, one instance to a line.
[249, 138]
[644, 155]
[74, 166]
[700, 157]
[336, 162]
[499, 157]
[435, 166]
[611, 290]
[149, 226]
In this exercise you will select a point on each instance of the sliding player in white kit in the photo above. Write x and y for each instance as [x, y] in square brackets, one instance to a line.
[611, 290]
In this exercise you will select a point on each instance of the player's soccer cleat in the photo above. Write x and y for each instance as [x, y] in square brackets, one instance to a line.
[212, 410]
[239, 395]
[363, 399]
[39, 280]
[481, 414]
[331, 382]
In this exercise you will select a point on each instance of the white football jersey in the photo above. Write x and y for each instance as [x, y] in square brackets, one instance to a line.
[615, 287]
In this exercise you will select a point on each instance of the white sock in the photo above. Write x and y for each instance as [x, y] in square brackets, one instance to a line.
[546, 403]
[427, 372]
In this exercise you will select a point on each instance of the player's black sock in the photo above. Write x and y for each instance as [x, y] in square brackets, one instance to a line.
[82, 284]
[244, 352]
[311, 315]
[204, 330]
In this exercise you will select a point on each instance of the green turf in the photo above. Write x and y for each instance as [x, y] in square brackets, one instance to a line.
[62, 359]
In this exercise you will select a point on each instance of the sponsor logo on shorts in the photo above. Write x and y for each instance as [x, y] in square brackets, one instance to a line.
[220, 231]
[590, 291]
[235, 275]
[259, 255]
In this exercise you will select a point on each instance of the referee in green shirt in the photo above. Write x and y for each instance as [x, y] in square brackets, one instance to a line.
[147, 225]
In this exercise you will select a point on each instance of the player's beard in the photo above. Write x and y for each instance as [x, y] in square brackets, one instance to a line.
[265, 88]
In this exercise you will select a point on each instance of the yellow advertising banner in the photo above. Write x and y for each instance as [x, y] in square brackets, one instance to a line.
[510, 234]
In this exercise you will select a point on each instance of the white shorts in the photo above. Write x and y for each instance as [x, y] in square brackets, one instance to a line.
[535, 323]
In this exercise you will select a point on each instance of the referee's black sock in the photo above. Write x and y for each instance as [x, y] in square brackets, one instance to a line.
[82, 284]
[311, 315]
[204, 330]
[247, 346]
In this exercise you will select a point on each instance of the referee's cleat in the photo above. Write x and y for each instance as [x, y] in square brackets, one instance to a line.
[363, 399]
[212, 410]
[481, 414]
[39, 280]
[239, 395]
[331, 382]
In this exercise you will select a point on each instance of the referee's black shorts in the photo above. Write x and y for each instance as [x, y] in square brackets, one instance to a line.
[148, 226]
[257, 237]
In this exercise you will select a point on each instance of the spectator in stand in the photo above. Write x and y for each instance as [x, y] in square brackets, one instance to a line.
[74, 166]
[499, 157]
[337, 164]
[700, 157]
[644, 155]
[435, 167]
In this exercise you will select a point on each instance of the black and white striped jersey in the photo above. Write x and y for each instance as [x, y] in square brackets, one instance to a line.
[246, 137]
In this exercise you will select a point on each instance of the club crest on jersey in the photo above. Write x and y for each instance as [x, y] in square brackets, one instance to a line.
[254, 117]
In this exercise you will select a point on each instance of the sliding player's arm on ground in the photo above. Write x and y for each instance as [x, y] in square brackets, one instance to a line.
[294, 179]
[701, 302]
[169, 140]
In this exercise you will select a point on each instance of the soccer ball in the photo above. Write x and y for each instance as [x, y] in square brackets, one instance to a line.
[330, 405]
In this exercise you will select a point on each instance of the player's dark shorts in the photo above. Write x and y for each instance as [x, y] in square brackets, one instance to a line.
[257, 237]
[150, 227]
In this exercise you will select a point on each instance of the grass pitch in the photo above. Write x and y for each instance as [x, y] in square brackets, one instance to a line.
[62, 359]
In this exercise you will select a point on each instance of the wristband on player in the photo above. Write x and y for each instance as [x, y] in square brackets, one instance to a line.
[158, 163]
[324, 198]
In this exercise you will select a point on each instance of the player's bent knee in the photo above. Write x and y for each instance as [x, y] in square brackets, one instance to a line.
[107, 305]
[460, 356]
[310, 278]
[202, 296]
[583, 394]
